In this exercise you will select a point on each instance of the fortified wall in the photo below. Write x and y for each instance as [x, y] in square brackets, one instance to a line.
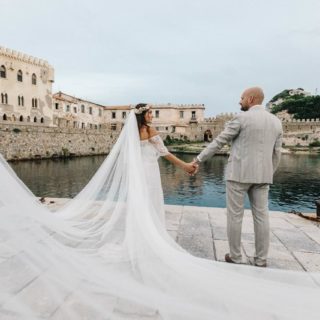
[301, 132]
[20, 142]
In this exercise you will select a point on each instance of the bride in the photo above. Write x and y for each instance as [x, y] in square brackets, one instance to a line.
[106, 253]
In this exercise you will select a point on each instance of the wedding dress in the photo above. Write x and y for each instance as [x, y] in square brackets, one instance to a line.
[106, 254]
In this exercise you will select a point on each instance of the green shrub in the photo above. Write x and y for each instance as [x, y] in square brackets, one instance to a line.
[315, 143]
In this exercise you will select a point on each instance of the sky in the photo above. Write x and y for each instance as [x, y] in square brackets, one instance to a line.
[169, 51]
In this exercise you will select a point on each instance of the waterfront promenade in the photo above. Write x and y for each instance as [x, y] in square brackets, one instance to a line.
[294, 241]
[295, 245]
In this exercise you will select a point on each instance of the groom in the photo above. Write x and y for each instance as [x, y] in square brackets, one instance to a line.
[256, 138]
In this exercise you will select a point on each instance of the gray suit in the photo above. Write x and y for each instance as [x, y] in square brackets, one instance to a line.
[256, 139]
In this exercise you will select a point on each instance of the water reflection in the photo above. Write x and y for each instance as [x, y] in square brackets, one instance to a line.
[297, 182]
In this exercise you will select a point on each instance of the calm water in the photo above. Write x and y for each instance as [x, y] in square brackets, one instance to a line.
[297, 182]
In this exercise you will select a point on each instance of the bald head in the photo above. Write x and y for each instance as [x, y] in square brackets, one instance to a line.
[251, 97]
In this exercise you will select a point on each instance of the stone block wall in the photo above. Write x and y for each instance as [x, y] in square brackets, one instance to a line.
[18, 142]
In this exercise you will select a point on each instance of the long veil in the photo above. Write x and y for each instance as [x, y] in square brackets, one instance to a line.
[106, 255]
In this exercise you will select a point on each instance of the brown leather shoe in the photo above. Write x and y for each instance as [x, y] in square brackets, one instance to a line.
[253, 262]
[228, 259]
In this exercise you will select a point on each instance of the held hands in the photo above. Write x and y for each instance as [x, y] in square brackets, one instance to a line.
[191, 168]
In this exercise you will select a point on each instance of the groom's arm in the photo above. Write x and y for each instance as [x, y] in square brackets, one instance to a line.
[230, 132]
[276, 156]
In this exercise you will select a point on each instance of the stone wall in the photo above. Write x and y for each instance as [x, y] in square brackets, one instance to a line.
[19, 142]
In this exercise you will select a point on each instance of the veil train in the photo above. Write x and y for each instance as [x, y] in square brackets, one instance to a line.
[107, 255]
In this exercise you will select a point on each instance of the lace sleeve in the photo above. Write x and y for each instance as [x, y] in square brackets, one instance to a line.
[159, 145]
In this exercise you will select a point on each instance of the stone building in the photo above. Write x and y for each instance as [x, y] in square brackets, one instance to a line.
[25, 89]
[176, 118]
[69, 111]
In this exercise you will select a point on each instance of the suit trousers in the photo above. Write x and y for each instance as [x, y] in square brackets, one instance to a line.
[258, 197]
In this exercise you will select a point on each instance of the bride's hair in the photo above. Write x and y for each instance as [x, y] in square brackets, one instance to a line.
[140, 115]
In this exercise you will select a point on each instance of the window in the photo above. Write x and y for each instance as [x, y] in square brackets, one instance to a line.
[19, 76]
[20, 101]
[113, 115]
[21, 119]
[83, 125]
[4, 117]
[181, 114]
[34, 79]
[167, 128]
[100, 112]
[42, 120]
[96, 126]
[193, 114]
[35, 119]
[34, 103]
[3, 72]
[113, 127]
[75, 125]
[57, 106]
[124, 115]
[4, 98]
[75, 110]
[82, 108]
[90, 125]
[67, 108]
[157, 113]
[90, 110]
[28, 119]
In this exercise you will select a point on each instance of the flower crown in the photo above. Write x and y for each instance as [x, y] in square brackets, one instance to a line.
[140, 110]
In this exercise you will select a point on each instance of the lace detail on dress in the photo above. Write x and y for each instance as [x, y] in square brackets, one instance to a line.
[157, 142]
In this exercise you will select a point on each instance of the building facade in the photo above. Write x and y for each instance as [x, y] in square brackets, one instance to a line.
[25, 89]
[72, 112]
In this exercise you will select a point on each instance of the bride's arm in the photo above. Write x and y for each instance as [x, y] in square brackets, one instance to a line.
[156, 140]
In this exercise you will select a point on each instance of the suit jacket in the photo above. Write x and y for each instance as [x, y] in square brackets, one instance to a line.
[256, 141]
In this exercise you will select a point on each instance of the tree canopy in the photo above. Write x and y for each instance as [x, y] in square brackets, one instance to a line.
[300, 106]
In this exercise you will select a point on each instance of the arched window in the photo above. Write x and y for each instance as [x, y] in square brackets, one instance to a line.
[19, 100]
[4, 117]
[21, 119]
[13, 118]
[19, 76]
[28, 119]
[2, 98]
[3, 72]
[34, 103]
[35, 119]
[34, 79]
[22, 101]
[82, 108]
[42, 120]
[5, 98]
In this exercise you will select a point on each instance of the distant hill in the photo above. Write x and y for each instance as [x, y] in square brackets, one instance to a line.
[297, 102]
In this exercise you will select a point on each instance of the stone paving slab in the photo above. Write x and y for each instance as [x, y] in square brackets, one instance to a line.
[294, 241]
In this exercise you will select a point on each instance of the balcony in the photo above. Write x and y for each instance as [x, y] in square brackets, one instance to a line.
[193, 120]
